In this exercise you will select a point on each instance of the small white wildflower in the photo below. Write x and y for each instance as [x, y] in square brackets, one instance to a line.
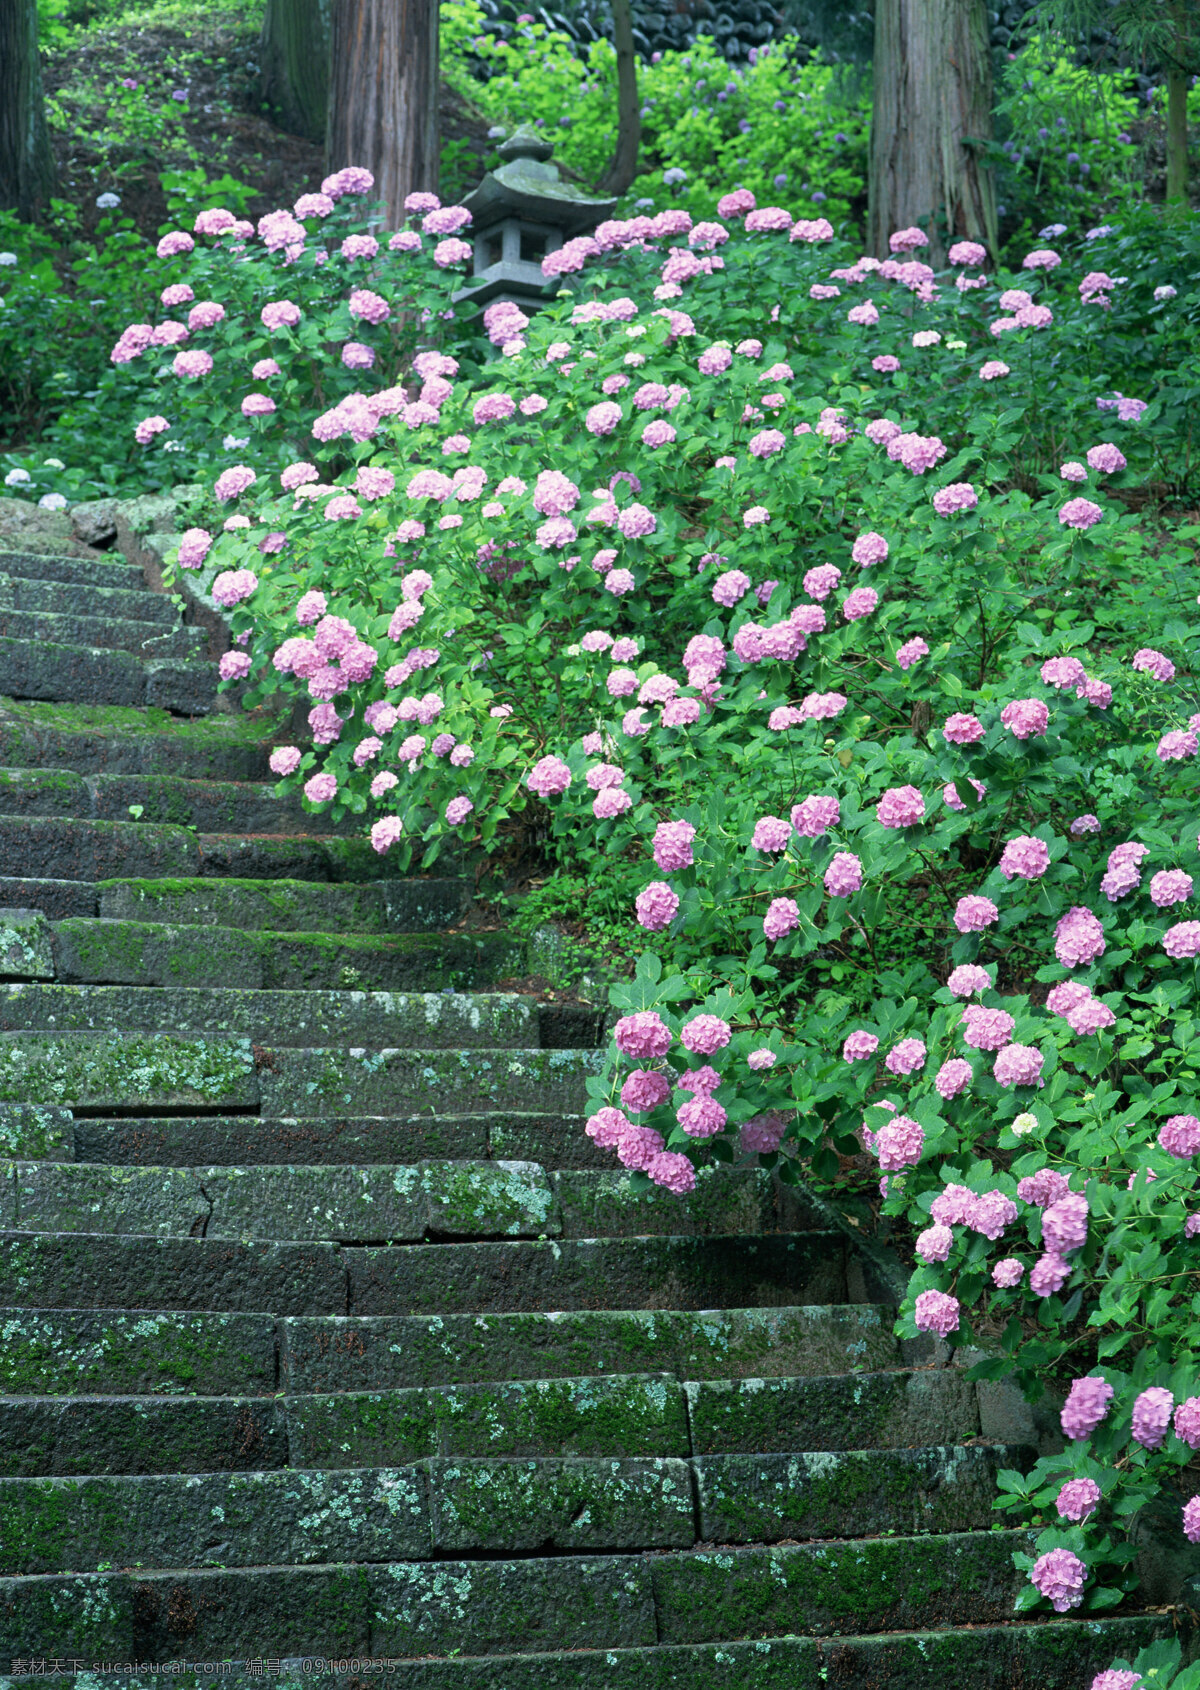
[15, 477]
[1024, 1123]
[107, 202]
[52, 502]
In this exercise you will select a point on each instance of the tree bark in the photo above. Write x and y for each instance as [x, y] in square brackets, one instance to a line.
[623, 168]
[27, 175]
[294, 57]
[383, 95]
[932, 108]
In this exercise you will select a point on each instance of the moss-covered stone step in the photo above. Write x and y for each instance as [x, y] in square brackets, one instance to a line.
[76, 1436]
[597, 1273]
[611, 1415]
[224, 1140]
[83, 572]
[142, 1072]
[1046, 1653]
[596, 1204]
[154, 954]
[890, 1410]
[65, 628]
[116, 1352]
[85, 675]
[210, 806]
[56, 899]
[288, 906]
[298, 1516]
[398, 1204]
[538, 1605]
[361, 1353]
[270, 1517]
[111, 739]
[62, 848]
[78, 1270]
[430, 1020]
[855, 1493]
[65, 598]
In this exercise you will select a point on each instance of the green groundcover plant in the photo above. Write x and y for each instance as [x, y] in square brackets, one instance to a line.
[819, 625]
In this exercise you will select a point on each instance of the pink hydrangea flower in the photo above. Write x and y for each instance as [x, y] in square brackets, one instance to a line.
[869, 548]
[859, 603]
[759, 1059]
[1080, 513]
[656, 906]
[986, 1028]
[1087, 823]
[1065, 1223]
[1154, 663]
[284, 760]
[859, 1045]
[1025, 718]
[962, 729]
[1106, 458]
[844, 875]
[900, 806]
[967, 979]
[1008, 1273]
[953, 1078]
[320, 788]
[1191, 1524]
[1187, 1422]
[936, 1311]
[701, 1116]
[1025, 858]
[673, 1171]
[1048, 1275]
[1180, 1136]
[643, 1035]
[771, 833]
[1059, 1576]
[906, 1057]
[673, 845]
[1170, 886]
[958, 496]
[1182, 940]
[645, 1089]
[704, 1034]
[815, 815]
[934, 1244]
[899, 1143]
[548, 776]
[782, 917]
[1152, 1416]
[1019, 1065]
[1177, 744]
[911, 652]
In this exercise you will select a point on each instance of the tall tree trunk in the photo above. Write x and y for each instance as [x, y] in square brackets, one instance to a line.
[932, 106]
[383, 95]
[293, 52]
[27, 176]
[1182, 60]
[624, 165]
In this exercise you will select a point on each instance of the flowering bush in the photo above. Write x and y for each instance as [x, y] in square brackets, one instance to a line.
[826, 706]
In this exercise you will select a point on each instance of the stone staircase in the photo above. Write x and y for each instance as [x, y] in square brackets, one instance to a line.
[326, 1333]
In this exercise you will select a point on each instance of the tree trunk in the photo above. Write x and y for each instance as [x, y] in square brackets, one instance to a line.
[623, 168]
[932, 107]
[383, 95]
[1177, 136]
[293, 52]
[27, 176]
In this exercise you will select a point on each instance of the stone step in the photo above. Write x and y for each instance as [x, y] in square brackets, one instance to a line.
[541, 1605]
[58, 900]
[624, 1414]
[112, 739]
[208, 806]
[144, 1074]
[64, 628]
[58, 848]
[289, 906]
[234, 1140]
[1048, 1653]
[105, 1271]
[80, 1436]
[51, 1353]
[66, 598]
[855, 1411]
[404, 1203]
[112, 1352]
[593, 1273]
[426, 1020]
[397, 1205]
[143, 953]
[561, 1504]
[377, 1353]
[86, 675]
[81, 572]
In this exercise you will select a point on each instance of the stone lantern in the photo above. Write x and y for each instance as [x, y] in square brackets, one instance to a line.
[521, 212]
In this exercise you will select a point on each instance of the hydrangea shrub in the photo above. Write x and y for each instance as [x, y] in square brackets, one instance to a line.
[805, 578]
